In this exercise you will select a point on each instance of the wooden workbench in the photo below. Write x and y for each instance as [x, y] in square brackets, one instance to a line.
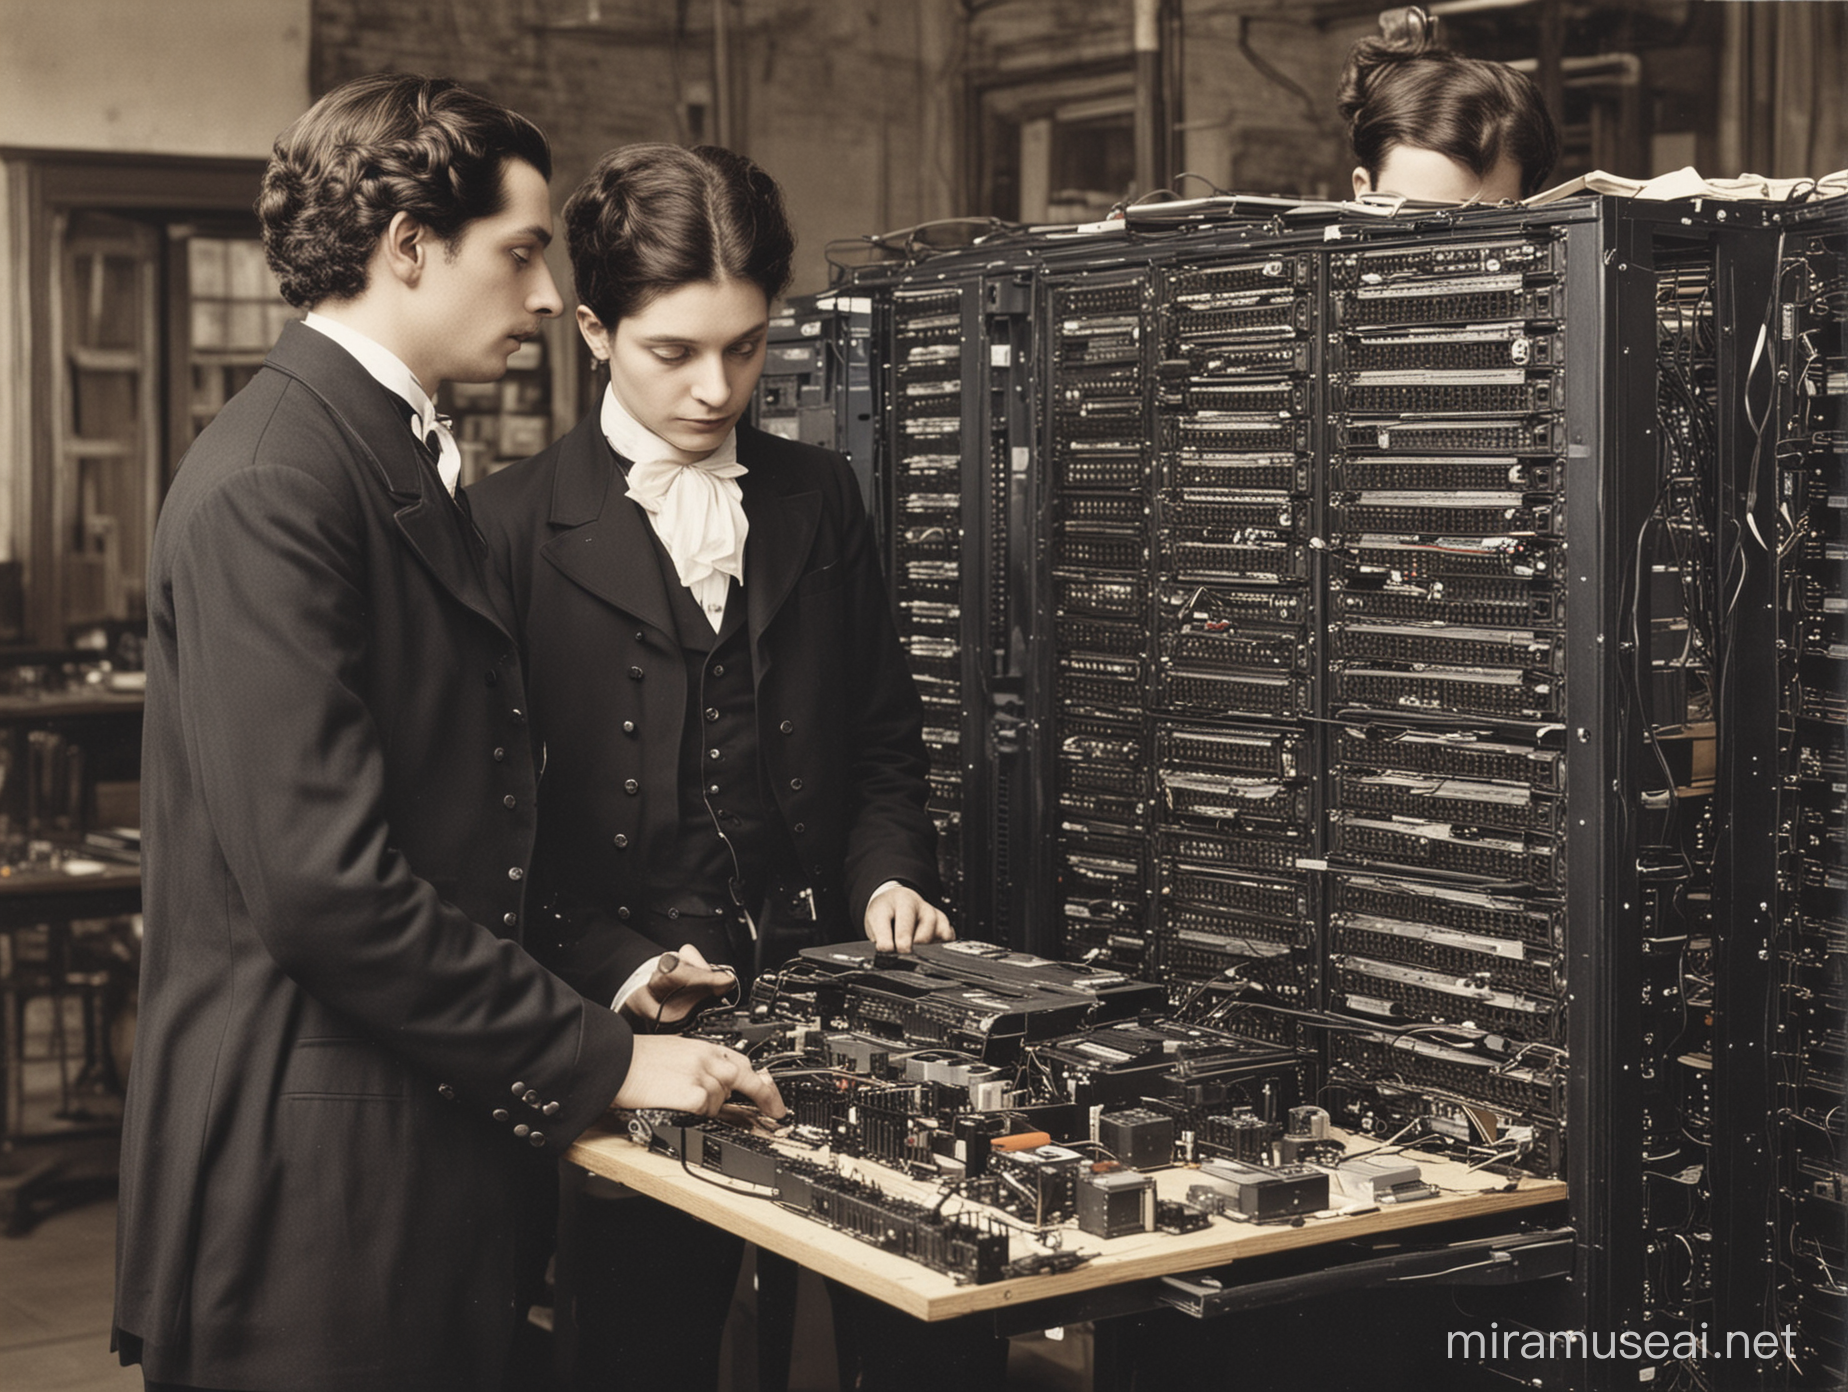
[930, 1295]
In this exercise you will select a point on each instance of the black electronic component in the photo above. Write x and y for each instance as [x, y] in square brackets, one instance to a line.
[1454, 753]
[1475, 802]
[962, 1250]
[1428, 512]
[1265, 1193]
[1115, 1203]
[1040, 1185]
[1448, 848]
[1488, 350]
[1133, 1065]
[1527, 1083]
[1394, 989]
[1139, 1138]
[1240, 1134]
[1377, 473]
[1431, 267]
[1103, 995]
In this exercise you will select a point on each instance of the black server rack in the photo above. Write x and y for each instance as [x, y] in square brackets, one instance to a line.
[925, 332]
[817, 385]
[1094, 662]
[1235, 624]
[1789, 969]
[955, 450]
[1369, 629]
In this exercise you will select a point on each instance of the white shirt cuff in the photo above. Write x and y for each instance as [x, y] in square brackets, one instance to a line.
[637, 979]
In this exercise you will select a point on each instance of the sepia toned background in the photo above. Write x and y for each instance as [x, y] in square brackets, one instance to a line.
[132, 134]
[134, 300]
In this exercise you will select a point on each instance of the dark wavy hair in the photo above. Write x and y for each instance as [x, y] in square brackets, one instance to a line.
[1404, 88]
[375, 147]
[651, 218]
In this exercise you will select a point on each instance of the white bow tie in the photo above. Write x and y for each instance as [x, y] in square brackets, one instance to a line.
[448, 453]
[698, 512]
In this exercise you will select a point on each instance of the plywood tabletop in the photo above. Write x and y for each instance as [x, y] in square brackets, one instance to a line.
[931, 1295]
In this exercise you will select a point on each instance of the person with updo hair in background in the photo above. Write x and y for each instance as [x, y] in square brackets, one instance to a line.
[1428, 124]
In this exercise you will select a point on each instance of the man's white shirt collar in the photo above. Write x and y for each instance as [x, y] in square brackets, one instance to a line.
[389, 371]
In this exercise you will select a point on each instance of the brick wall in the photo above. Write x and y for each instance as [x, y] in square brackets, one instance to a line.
[846, 104]
[856, 106]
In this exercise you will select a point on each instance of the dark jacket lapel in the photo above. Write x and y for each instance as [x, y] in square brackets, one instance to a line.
[429, 522]
[607, 546]
[777, 549]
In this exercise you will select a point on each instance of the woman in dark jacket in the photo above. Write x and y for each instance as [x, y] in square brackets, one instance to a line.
[730, 729]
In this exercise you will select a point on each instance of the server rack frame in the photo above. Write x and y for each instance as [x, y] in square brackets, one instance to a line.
[1610, 391]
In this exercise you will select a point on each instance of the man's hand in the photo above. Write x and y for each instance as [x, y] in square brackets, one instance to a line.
[679, 1074]
[680, 983]
[900, 918]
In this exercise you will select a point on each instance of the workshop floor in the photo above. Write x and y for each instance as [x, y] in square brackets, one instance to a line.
[57, 1278]
[55, 1298]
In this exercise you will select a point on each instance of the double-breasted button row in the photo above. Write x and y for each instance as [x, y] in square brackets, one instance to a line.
[530, 1096]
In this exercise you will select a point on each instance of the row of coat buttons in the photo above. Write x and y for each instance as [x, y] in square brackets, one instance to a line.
[788, 727]
[501, 1114]
[530, 1097]
[515, 716]
[636, 673]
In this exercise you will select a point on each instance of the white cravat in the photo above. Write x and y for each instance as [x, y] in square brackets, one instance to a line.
[697, 509]
[448, 453]
[389, 371]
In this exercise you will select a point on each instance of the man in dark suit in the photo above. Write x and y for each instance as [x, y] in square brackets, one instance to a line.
[351, 1079]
